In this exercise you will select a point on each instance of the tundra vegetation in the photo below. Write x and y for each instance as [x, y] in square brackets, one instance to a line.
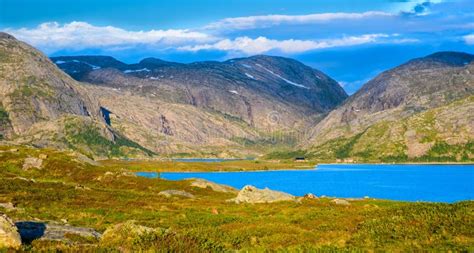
[132, 215]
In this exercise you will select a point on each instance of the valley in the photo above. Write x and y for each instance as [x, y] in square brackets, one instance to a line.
[76, 130]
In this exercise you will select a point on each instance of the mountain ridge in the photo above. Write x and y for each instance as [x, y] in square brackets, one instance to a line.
[414, 87]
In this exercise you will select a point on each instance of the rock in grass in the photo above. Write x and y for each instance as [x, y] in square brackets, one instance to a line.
[8, 206]
[201, 183]
[310, 196]
[32, 162]
[342, 202]
[9, 236]
[35, 230]
[128, 234]
[171, 193]
[250, 194]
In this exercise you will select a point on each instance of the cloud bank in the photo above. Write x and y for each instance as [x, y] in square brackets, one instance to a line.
[261, 45]
[251, 22]
[78, 35]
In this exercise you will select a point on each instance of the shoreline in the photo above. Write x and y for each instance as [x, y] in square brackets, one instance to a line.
[308, 168]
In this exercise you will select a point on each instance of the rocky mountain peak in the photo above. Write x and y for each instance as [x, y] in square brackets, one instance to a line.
[440, 60]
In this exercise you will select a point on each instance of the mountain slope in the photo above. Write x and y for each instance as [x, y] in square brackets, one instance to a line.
[43, 106]
[259, 90]
[238, 107]
[417, 86]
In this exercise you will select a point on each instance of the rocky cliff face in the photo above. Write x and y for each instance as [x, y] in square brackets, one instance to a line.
[410, 89]
[43, 106]
[32, 89]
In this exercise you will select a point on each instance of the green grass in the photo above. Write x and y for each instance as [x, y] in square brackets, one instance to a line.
[80, 135]
[190, 225]
[4, 119]
[289, 155]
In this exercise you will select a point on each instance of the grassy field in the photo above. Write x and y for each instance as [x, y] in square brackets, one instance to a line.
[67, 188]
[232, 165]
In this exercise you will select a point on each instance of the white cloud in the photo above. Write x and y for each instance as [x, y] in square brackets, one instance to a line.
[251, 22]
[260, 45]
[78, 35]
[469, 39]
[52, 37]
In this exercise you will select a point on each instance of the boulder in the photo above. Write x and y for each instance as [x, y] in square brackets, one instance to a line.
[8, 206]
[342, 202]
[201, 183]
[250, 194]
[34, 230]
[310, 196]
[32, 162]
[9, 236]
[171, 193]
[125, 235]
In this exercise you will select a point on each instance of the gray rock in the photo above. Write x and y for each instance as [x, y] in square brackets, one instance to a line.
[8, 206]
[310, 196]
[171, 193]
[33, 230]
[126, 234]
[250, 194]
[341, 202]
[201, 183]
[32, 162]
[9, 236]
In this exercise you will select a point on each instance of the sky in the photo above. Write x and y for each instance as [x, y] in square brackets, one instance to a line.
[350, 40]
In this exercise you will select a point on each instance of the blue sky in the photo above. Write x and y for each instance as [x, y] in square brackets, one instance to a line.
[351, 40]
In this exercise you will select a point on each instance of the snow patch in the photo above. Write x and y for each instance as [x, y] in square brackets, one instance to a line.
[136, 70]
[247, 66]
[94, 67]
[234, 92]
[249, 75]
[282, 78]
[154, 78]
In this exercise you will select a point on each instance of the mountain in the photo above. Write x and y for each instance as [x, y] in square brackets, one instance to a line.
[231, 108]
[251, 89]
[208, 107]
[43, 106]
[427, 87]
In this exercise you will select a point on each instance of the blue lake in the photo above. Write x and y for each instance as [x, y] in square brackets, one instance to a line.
[433, 183]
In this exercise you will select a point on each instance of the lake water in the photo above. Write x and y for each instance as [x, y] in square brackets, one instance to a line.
[433, 183]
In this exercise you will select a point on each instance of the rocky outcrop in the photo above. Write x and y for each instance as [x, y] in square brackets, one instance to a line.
[33, 230]
[341, 202]
[250, 194]
[201, 183]
[8, 206]
[33, 89]
[126, 234]
[9, 236]
[32, 162]
[310, 196]
[172, 193]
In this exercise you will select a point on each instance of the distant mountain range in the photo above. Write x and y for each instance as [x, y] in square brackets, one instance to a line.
[421, 110]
